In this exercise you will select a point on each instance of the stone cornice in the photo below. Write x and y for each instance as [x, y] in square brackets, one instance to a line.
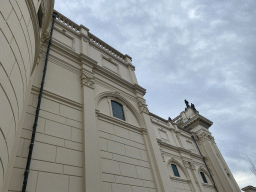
[109, 54]
[116, 78]
[161, 125]
[65, 51]
[70, 30]
[178, 149]
[139, 89]
[176, 118]
[114, 89]
[57, 97]
[120, 122]
[76, 58]
[88, 61]
[94, 41]
[64, 64]
[196, 120]
[160, 118]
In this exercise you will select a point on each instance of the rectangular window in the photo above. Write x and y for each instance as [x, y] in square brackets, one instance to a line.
[117, 109]
[175, 170]
[203, 177]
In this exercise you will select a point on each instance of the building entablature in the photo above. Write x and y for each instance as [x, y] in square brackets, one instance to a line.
[156, 119]
[195, 121]
[82, 31]
[90, 65]
[181, 150]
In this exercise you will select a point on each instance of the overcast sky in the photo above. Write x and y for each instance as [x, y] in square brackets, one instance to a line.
[199, 50]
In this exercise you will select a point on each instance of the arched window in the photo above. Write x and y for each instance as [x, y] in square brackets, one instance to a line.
[117, 109]
[203, 177]
[175, 170]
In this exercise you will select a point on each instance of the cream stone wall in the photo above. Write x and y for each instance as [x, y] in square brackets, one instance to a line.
[57, 161]
[124, 159]
[79, 145]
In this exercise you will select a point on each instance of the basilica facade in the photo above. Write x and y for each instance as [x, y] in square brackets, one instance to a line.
[91, 129]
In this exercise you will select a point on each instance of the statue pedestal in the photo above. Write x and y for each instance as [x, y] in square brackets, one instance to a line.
[249, 189]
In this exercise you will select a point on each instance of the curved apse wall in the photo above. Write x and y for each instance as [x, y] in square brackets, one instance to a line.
[19, 52]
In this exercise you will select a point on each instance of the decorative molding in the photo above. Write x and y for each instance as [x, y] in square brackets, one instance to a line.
[142, 105]
[109, 59]
[138, 89]
[202, 136]
[88, 81]
[86, 39]
[64, 32]
[114, 89]
[114, 78]
[161, 125]
[208, 185]
[186, 164]
[192, 166]
[45, 37]
[180, 179]
[122, 100]
[87, 61]
[76, 58]
[57, 97]
[158, 119]
[94, 41]
[195, 121]
[119, 122]
[178, 149]
[64, 64]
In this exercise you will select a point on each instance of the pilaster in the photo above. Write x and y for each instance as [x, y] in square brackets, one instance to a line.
[178, 136]
[190, 169]
[92, 174]
[214, 163]
[160, 174]
[84, 40]
[175, 138]
[131, 69]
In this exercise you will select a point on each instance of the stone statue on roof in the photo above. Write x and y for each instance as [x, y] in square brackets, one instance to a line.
[187, 103]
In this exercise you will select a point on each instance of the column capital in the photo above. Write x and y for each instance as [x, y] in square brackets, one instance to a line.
[142, 105]
[88, 80]
[186, 164]
[203, 136]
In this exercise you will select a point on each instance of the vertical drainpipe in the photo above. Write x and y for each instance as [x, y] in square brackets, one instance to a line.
[204, 162]
[25, 181]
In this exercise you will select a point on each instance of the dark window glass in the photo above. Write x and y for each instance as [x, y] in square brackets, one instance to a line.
[203, 176]
[117, 110]
[40, 16]
[175, 170]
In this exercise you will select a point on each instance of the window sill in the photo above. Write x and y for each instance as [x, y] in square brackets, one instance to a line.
[179, 179]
